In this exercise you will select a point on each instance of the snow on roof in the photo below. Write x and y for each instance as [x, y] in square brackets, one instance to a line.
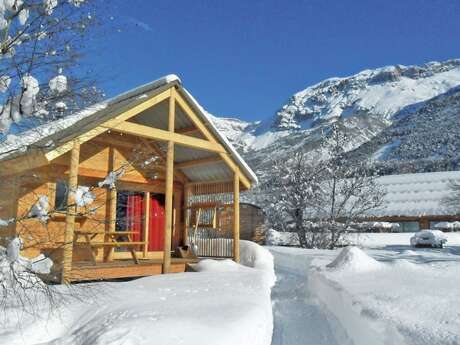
[51, 134]
[43, 136]
[417, 194]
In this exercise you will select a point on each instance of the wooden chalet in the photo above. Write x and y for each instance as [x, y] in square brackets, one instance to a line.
[176, 179]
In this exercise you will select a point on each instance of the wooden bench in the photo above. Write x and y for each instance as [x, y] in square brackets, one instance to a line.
[115, 240]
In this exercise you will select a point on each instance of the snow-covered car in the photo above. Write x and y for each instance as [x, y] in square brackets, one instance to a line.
[428, 238]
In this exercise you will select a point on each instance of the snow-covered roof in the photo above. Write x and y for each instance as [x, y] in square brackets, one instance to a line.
[419, 194]
[52, 134]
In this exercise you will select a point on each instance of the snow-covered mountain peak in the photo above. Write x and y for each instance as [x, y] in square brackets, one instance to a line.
[382, 92]
[404, 117]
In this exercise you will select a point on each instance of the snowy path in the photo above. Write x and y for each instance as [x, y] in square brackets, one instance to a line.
[298, 317]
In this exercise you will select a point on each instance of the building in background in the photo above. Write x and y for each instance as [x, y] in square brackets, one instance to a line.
[416, 201]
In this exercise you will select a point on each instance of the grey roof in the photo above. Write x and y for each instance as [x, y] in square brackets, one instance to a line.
[417, 195]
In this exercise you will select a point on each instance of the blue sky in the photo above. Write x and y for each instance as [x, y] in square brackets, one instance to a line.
[244, 58]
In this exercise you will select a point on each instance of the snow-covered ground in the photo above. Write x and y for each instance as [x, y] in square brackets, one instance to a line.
[367, 240]
[390, 294]
[394, 294]
[299, 317]
[224, 303]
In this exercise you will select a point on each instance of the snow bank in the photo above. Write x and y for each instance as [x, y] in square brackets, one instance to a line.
[210, 265]
[359, 324]
[255, 256]
[355, 260]
[277, 238]
[223, 304]
[412, 299]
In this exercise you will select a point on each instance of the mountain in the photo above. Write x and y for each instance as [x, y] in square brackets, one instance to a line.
[377, 108]
[427, 139]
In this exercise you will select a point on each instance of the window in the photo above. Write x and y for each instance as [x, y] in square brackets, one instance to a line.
[62, 191]
[409, 226]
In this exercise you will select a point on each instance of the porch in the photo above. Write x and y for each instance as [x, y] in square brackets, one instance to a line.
[189, 196]
[85, 271]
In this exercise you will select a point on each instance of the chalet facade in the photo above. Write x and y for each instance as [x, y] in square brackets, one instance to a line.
[416, 201]
[123, 186]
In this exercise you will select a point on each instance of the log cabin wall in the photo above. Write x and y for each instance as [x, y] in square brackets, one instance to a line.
[95, 164]
[252, 223]
[8, 205]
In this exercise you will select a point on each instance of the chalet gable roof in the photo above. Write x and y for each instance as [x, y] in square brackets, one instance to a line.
[49, 138]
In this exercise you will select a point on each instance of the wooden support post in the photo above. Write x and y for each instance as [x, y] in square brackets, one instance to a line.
[236, 216]
[112, 208]
[424, 223]
[187, 189]
[169, 186]
[71, 211]
[146, 222]
[15, 196]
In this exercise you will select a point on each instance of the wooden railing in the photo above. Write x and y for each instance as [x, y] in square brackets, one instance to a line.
[211, 243]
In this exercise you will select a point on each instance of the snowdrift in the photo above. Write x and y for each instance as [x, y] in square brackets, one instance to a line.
[353, 259]
[225, 303]
[277, 238]
[409, 297]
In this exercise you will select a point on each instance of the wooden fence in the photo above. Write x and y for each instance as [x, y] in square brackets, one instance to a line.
[209, 218]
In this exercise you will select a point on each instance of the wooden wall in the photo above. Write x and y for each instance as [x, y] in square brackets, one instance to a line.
[252, 222]
[97, 158]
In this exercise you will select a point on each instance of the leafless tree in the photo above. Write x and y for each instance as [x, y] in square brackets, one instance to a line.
[452, 200]
[320, 195]
[41, 42]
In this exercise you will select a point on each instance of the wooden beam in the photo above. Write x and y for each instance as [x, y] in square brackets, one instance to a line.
[123, 116]
[156, 150]
[196, 162]
[236, 217]
[59, 170]
[160, 134]
[187, 190]
[209, 136]
[187, 130]
[71, 212]
[146, 227]
[67, 146]
[169, 187]
[114, 141]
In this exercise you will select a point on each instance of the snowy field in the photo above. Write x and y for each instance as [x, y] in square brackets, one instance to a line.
[385, 294]
[224, 303]
[388, 295]
[366, 240]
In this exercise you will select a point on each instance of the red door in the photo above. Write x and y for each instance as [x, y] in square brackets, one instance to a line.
[135, 217]
[157, 225]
